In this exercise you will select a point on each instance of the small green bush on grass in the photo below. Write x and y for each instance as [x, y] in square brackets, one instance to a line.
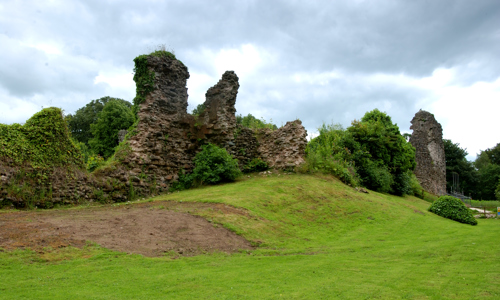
[213, 165]
[452, 208]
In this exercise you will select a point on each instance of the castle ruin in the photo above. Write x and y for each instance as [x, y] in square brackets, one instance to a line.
[427, 138]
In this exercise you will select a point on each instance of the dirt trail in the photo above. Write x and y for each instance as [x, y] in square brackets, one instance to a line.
[150, 229]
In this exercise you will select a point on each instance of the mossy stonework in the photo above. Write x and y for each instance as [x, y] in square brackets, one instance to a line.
[39, 164]
[165, 138]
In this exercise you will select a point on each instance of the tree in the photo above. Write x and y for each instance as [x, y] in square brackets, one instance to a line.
[493, 154]
[456, 162]
[488, 166]
[114, 117]
[79, 123]
[489, 178]
[382, 156]
[198, 110]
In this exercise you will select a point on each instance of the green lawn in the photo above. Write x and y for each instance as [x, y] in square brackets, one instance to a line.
[319, 239]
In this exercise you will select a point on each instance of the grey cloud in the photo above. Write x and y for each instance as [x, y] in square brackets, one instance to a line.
[356, 38]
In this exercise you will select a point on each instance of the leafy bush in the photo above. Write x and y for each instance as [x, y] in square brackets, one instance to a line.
[452, 208]
[376, 140]
[94, 161]
[255, 165]
[184, 182]
[326, 154]
[415, 187]
[372, 151]
[214, 165]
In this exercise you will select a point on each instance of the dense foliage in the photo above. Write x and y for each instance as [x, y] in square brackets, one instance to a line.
[452, 208]
[79, 123]
[144, 79]
[488, 166]
[457, 163]
[326, 153]
[252, 122]
[374, 147]
[114, 117]
[198, 110]
[382, 156]
[213, 165]
[255, 165]
[43, 142]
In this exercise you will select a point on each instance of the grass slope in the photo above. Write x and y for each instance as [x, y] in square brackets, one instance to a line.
[319, 239]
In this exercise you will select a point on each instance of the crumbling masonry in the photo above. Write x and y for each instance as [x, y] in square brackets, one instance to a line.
[165, 142]
[427, 138]
[168, 137]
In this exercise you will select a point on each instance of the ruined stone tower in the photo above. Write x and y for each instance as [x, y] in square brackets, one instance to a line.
[162, 145]
[427, 138]
[168, 137]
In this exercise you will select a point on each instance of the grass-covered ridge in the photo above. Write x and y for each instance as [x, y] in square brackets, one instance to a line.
[42, 142]
[319, 239]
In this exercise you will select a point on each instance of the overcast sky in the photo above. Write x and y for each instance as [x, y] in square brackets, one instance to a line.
[319, 61]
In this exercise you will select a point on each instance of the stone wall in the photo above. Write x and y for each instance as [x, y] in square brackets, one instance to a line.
[167, 138]
[427, 138]
[285, 147]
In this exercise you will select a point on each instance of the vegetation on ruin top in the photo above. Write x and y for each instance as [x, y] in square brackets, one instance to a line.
[43, 141]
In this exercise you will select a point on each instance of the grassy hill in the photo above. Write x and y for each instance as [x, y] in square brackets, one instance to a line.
[317, 239]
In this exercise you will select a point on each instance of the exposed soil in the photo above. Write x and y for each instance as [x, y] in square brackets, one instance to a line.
[150, 229]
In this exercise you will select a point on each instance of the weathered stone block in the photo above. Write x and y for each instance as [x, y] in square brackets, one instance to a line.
[427, 138]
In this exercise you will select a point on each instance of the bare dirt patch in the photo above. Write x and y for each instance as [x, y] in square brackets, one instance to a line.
[150, 229]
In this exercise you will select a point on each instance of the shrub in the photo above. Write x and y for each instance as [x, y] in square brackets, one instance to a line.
[94, 161]
[403, 184]
[184, 182]
[214, 165]
[255, 165]
[326, 154]
[452, 208]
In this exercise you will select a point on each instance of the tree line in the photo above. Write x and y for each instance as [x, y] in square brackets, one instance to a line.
[371, 152]
[479, 179]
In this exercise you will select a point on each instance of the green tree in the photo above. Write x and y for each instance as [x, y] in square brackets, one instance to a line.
[198, 110]
[489, 177]
[114, 117]
[79, 123]
[493, 154]
[456, 162]
[488, 166]
[382, 156]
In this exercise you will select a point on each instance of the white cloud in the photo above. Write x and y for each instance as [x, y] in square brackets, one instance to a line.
[469, 115]
[119, 83]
